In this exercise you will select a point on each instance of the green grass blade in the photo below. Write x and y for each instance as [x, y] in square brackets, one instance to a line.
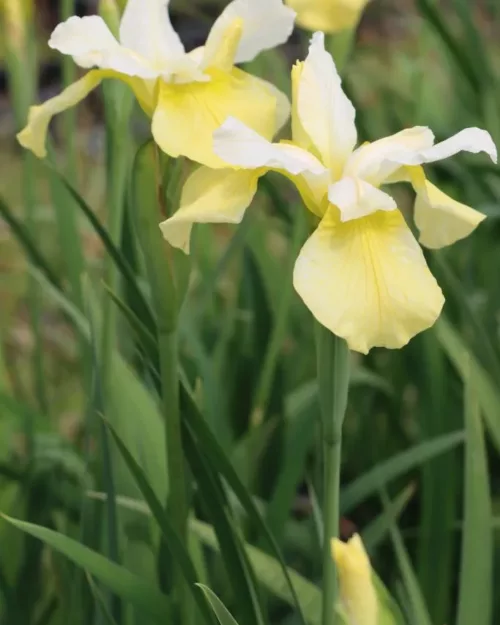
[476, 570]
[172, 541]
[118, 579]
[467, 365]
[419, 615]
[371, 481]
[221, 612]
[219, 461]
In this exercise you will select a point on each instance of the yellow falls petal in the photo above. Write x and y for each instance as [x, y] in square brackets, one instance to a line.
[367, 281]
[442, 220]
[210, 196]
[357, 592]
[329, 16]
[188, 114]
[34, 134]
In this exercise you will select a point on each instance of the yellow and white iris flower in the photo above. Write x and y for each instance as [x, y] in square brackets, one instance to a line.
[330, 16]
[361, 273]
[357, 591]
[187, 95]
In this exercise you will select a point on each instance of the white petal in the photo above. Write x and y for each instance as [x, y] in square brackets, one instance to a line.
[266, 24]
[145, 28]
[356, 198]
[372, 161]
[91, 44]
[326, 113]
[472, 140]
[210, 196]
[367, 281]
[240, 146]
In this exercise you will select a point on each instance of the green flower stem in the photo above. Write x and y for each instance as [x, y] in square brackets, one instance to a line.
[69, 116]
[148, 210]
[20, 60]
[333, 380]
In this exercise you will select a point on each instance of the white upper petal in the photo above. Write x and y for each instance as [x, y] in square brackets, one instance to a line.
[240, 146]
[374, 161]
[266, 24]
[356, 198]
[473, 140]
[91, 44]
[325, 112]
[145, 28]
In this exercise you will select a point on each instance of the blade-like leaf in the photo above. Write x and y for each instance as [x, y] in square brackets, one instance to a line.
[221, 612]
[117, 578]
[375, 478]
[476, 570]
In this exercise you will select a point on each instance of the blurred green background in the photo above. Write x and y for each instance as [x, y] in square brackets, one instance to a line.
[420, 470]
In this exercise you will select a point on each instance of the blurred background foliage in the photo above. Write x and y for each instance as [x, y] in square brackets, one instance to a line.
[421, 470]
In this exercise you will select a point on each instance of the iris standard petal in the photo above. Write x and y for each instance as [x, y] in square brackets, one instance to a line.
[210, 196]
[357, 591]
[372, 161]
[187, 115]
[265, 24]
[145, 28]
[441, 220]
[329, 16]
[356, 198]
[326, 113]
[367, 280]
[91, 44]
[238, 145]
[34, 135]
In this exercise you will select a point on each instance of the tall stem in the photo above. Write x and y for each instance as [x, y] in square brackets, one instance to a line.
[160, 268]
[333, 380]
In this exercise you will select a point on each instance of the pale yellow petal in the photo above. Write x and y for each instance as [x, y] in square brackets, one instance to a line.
[146, 28]
[326, 113]
[220, 52]
[210, 196]
[187, 115]
[357, 591]
[34, 135]
[442, 220]
[265, 25]
[367, 281]
[356, 198]
[329, 16]
[91, 44]
[374, 161]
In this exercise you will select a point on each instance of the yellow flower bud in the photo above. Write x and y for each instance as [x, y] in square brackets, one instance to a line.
[357, 592]
[329, 16]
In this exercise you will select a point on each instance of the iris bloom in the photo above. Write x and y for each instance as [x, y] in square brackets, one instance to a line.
[330, 16]
[187, 95]
[357, 591]
[361, 273]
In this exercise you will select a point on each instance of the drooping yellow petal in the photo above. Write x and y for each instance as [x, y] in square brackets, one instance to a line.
[440, 219]
[188, 114]
[34, 135]
[210, 196]
[357, 591]
[367, 281]
[329, 16]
